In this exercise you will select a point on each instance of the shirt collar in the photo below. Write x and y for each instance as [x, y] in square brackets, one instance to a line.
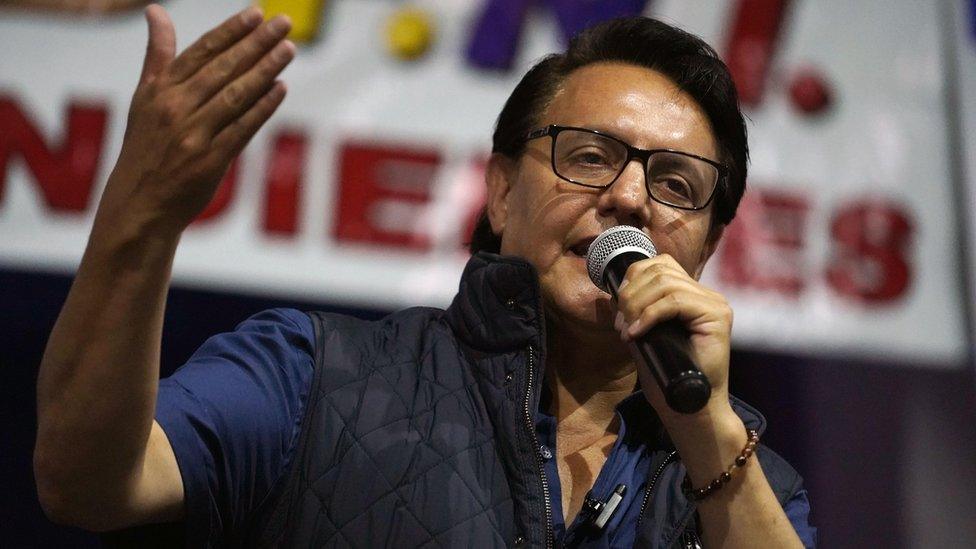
[640, 423]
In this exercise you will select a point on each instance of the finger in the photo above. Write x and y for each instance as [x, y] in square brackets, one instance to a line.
[161, 46]
[237, 97]
[632, 304]
[237, 60]
[214, 42]
[686, 306]
[656, 262]
[235, 136]
[648, 273]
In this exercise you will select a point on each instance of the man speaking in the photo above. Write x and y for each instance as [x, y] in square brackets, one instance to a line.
[516, 417]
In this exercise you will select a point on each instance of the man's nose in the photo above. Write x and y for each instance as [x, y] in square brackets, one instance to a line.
[626, 199]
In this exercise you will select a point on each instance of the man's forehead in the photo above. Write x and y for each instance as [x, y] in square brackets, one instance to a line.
[637, 104]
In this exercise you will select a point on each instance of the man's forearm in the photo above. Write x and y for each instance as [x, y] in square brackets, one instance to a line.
[98, 378]
[744, 512]
[747, 514]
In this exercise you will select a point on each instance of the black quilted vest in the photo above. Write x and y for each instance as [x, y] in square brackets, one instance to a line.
[419, 431]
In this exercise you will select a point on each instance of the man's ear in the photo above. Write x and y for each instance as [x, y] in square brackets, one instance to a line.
[499, 175]
[711, 244]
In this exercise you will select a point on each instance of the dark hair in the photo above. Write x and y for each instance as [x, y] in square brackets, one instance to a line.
[684, 58]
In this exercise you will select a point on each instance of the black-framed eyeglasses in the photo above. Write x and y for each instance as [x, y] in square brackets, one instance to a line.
[594, 159]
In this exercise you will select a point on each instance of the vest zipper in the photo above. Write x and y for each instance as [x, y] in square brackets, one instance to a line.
[530, 423]
[690, 540]
[650, 486]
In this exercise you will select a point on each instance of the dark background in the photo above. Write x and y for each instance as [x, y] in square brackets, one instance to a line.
[887, 452]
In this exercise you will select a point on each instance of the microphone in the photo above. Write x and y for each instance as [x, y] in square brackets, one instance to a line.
[665, 348]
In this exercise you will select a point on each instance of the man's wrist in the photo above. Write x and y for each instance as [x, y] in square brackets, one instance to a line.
[128, 242]
[708, 441]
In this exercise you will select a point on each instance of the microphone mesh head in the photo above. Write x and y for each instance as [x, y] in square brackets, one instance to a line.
[611, 243]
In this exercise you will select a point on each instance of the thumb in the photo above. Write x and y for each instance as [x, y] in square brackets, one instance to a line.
[161, 48]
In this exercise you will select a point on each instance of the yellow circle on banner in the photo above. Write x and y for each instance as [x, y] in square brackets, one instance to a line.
[409, 33]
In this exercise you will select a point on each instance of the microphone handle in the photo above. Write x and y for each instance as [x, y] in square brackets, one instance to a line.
[665, 349]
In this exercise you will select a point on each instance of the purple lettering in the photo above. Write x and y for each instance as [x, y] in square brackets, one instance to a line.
[496, 33]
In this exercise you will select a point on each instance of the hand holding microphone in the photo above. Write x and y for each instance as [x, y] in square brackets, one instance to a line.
[665, 348]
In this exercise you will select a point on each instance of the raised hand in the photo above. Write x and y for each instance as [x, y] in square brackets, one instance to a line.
[101, 461]
[192, 114]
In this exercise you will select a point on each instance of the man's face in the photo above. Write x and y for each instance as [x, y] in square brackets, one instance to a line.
[550, 222]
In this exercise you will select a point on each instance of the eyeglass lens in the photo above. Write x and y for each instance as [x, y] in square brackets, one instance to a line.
[597, 160]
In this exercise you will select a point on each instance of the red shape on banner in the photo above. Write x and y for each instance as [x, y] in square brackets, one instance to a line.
[65, 173]
[761, 250]
[222, 196]
[752, 42]
[809, 92]
[382, 190]
[871, 238]
[284, 182]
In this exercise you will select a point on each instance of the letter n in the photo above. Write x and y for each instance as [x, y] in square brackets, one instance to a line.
[64, 172]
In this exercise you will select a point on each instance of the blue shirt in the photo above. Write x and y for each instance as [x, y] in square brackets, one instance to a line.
[232, 415]
[628, 464]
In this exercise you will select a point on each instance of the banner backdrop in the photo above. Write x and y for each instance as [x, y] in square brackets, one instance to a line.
[364, 187]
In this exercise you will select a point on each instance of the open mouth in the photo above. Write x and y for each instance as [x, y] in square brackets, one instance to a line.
[581, 247]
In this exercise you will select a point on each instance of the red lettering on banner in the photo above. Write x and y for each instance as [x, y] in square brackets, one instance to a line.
[382, 194]
[284, 182]
[222, 196]
[64, 173]
[870, 238]
[752, 42]
[762, 249]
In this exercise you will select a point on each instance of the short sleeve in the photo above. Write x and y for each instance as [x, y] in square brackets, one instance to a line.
[797, 509]
[232, 415]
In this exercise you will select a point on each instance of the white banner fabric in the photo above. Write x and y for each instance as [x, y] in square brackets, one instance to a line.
[361, 191]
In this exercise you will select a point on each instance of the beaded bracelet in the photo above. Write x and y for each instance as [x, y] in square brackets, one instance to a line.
[723, 479]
